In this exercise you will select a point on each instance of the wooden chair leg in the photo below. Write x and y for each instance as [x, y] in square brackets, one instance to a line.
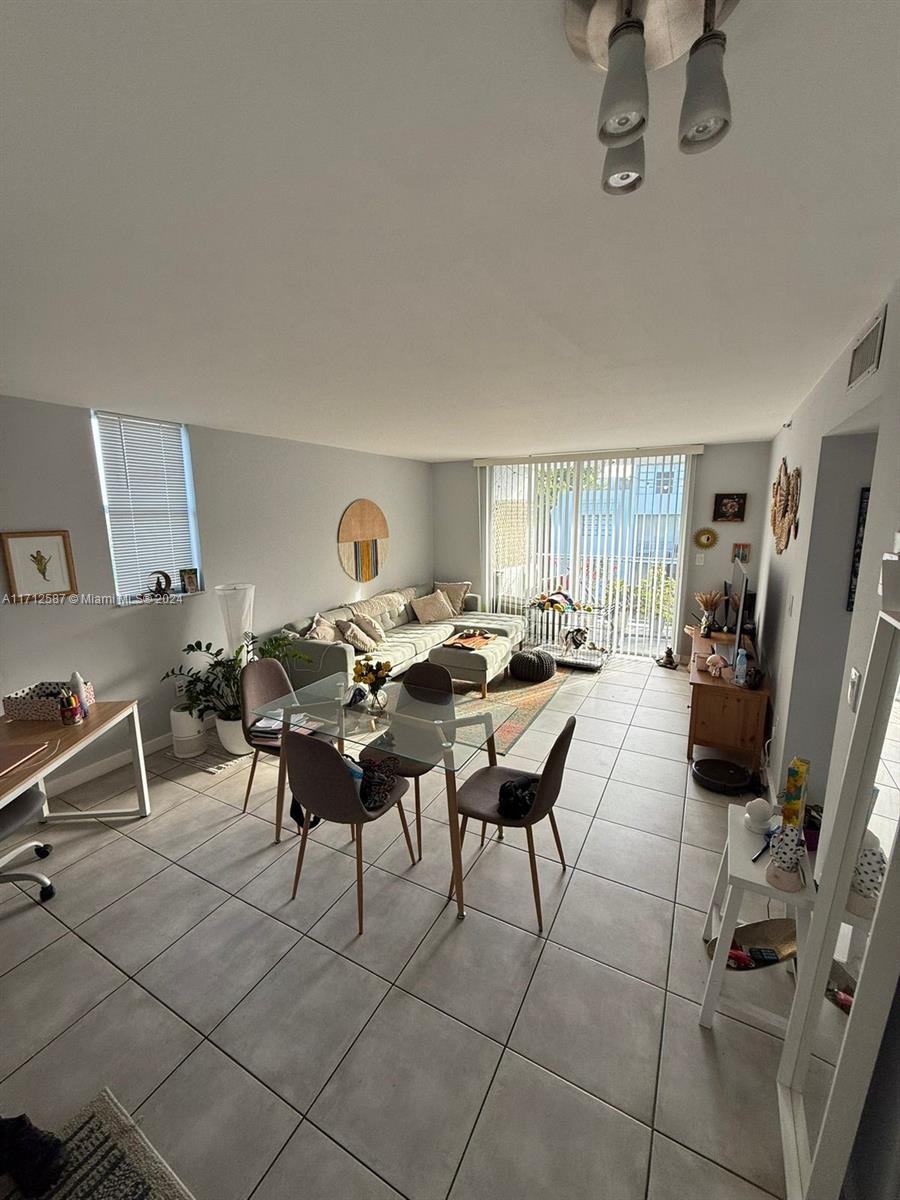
[359, 877]
[303, 836]
[352, 833]
[534, 877]
[418, 816]
[559, 849]
[483, 831]
[484, 694]
[412, 857]
[462, 836]
[250, 780]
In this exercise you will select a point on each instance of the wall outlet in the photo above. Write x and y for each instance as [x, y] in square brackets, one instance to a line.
[180, 687]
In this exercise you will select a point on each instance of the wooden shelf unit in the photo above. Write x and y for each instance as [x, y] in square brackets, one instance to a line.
[724, 716]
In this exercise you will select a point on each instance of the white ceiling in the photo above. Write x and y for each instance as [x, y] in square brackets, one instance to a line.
[379, 224]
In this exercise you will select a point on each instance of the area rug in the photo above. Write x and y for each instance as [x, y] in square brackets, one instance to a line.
[110, 1159]
[529, 700]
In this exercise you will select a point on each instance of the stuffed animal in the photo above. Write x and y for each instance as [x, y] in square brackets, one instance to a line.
[714, 665]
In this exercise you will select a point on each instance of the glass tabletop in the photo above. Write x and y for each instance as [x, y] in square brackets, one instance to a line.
[417, 723]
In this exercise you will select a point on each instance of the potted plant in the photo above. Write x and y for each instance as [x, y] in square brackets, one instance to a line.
[216, 687]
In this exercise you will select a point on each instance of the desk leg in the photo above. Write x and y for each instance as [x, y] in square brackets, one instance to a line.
[715, 903]
[455, 843]
[137, 760]
[720, 958]
[45, 806]
[140, 781]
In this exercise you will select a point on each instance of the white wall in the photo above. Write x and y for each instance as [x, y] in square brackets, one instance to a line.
[829, 409]
[268, 512]
[456, 532]
[738, 467]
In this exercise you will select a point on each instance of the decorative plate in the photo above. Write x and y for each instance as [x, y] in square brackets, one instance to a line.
[705, 539]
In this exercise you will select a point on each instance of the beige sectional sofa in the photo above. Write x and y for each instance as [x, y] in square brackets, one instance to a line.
[408, 641]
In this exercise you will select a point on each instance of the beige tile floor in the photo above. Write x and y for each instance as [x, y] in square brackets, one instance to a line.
[271, 1052]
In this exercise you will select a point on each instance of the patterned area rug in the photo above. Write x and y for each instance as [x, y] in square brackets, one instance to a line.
[110, 1159]
[529, 699]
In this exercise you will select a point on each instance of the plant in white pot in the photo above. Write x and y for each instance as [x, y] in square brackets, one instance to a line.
[217, 687]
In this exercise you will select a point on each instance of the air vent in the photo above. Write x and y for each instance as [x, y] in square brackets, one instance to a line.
[867, 352]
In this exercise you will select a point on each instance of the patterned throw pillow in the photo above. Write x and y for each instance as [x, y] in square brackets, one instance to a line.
[351, 633]
[435, 607]
[456, 594]
[322, 630]
[370, 627]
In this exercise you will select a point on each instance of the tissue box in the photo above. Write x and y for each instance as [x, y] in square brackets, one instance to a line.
[40, 702]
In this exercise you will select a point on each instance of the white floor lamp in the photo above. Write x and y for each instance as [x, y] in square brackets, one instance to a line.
[236, 602]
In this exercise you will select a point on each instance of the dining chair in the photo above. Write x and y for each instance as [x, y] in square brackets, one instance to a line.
[423, 683]
[479, 796]
[317, 772]
[262, 681]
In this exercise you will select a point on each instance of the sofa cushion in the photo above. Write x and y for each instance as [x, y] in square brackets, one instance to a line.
[435, 607]
[322, 630]
[456, 594]
[370, 627]
[351, 632]
[411, 640]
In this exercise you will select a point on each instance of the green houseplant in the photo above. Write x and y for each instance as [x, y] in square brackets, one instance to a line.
[215, 687]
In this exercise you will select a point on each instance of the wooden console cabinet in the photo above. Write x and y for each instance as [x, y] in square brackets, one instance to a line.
[724, 716]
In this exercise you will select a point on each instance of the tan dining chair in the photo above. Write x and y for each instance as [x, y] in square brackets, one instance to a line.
[262, 681]
[479, 796]
[424, 683]
[318, 773]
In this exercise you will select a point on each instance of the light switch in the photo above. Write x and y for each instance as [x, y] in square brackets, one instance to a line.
[853, 688]
[700, 560]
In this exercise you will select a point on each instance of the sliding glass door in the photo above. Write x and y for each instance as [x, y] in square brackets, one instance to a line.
[606, 530]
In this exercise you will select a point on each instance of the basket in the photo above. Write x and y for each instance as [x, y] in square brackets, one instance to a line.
[778, 934]
[40, 702]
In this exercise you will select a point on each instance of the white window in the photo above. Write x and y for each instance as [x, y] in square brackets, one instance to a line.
[148, 497]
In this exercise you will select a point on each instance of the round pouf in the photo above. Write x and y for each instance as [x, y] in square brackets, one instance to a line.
[532, 666]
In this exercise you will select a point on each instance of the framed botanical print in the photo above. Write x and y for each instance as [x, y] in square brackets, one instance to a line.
[730, 506]
[39, 563]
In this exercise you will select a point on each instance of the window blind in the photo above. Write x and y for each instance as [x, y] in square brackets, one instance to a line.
[608, 530]
[148, 497]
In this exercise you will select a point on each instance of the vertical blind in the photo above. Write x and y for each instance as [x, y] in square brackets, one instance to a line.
[607, 530]
[148, 496]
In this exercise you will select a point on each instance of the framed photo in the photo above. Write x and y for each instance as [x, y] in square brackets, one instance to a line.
[730, 506]
[861, 514]
[39, 564]
[190, 580]
[741, 552]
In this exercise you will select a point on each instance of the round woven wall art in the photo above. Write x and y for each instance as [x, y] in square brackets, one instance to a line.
[363, 540]
[785, 505]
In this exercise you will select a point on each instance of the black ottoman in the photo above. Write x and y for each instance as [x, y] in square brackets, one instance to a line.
[532, 666]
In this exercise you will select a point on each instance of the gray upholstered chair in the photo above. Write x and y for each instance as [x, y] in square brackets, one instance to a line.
[262, 681]
[479, 796]
[319, 776]
[423, 683]
[14, 816]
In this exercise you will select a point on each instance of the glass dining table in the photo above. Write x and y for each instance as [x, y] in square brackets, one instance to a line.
[416, 723]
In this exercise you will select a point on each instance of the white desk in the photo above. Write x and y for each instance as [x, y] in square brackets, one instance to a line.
[737, 875]
[63, 743]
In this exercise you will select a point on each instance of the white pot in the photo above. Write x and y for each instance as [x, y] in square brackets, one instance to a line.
[231, 735]
[188, 733]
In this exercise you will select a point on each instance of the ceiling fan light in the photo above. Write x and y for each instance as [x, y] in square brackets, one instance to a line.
[623, 169]
[624, 107]
[706, 109]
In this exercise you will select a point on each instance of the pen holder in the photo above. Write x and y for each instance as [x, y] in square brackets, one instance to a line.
[71, 716]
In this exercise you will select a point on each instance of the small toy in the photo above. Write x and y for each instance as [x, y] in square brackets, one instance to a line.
[758, 814]
[714, 665]
[668, 660]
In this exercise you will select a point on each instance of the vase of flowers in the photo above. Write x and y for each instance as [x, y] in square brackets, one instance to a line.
[373, 674]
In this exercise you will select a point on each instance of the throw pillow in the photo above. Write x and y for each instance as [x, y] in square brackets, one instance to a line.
[351, 633]
[435, 607]
[322, 630]
[370, 627]
[456, 594]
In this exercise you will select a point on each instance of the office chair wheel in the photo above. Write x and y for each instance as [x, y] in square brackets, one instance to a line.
[48, 891]
[43, 851]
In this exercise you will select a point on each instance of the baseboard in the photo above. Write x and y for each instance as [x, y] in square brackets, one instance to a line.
[102, 766]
